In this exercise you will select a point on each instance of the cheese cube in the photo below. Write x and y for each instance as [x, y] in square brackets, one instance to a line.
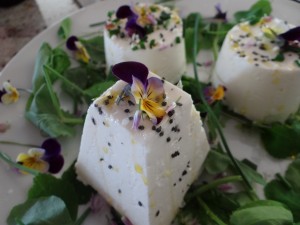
[162, 48]
[143, 173]
[258, 87]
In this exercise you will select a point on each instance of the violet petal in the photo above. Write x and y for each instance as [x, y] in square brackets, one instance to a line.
[2, 93]
[55, 163]
[220, 14]
[133, 28]
[52, 147]
[125, 70]
[71, 43]
[291, 35]
[124, 12]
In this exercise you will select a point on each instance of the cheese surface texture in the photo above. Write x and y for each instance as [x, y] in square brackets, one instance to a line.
[143, 173]
[161, 47]
[260, 86]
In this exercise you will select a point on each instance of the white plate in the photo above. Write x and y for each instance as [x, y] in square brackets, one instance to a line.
[19, 70]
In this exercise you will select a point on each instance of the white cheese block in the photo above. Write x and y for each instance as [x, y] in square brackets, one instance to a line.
[166, 57]
[258, 87]
[144, 173]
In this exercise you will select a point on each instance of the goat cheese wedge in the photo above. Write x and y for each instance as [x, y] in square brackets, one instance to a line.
[148, 33]
[262, 81]
[143, 172]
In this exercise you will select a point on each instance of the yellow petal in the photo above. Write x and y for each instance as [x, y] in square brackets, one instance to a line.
[22, 157]
[81, 52]
[219, 93]
[152, 109]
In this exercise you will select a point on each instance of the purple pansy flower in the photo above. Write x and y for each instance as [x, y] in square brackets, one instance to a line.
[74, 44]
[148, 93]
[291, 35]
[47, 158]
[220, 14]
[131, 27]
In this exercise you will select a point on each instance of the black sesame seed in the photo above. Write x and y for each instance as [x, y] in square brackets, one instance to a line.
[179, 139]
[96, 105]
[171, 113]
[119, 191]
[130, 118]
[106, 102]
[162, 80]
[184, 173]
[178, 104]
[130, 102]
[93, 120]
[255, 59]
[158, 129]
[175, 154]
[171, 121]
[126, 110]
[168, 139]
[164, 103]
[161, 134]
[101, 159]
[100, 110]
[141, 127]
[256, 64]
[179, 179]
[110, 97]
[164, 96]
[174, 184]
[140, 204]
[109, 144]
[104, 123]
[157, 213]
[110, 167]
[153, 127]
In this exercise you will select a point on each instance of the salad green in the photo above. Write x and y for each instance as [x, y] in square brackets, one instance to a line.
[207, 201]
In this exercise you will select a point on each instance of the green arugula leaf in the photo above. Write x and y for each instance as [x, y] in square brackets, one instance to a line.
[83, 192]
[262, 212]
[45, 185]
[280, 140]
[255, 13]
[95, 47]
[277, 190]
[50, 124]
[42, 113]
[292, 174]
[218, 162]
[59, 61]
[42, 58]
[64, 29]
[49, 210]
[97, 89]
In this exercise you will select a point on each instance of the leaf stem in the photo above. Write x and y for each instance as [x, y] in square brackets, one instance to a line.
[215, 46]
[19, 144]
[51, 92]
[210, 213]
[211, 113]
[97, 24]
[83, 216]
[8, 160]
[73, 120]
[215, 184]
